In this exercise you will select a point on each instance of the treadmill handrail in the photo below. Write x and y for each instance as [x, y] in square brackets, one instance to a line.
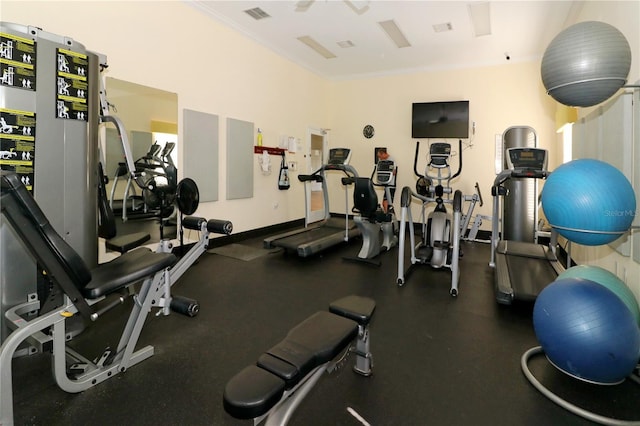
[501, 178]
[346, 168]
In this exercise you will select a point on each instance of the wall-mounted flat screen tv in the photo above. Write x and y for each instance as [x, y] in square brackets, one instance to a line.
[443, 120]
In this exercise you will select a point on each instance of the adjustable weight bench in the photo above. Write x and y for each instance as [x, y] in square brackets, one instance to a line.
[274, 387]
[91, 293]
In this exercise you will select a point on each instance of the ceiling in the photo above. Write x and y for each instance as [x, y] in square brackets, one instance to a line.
[478, 33]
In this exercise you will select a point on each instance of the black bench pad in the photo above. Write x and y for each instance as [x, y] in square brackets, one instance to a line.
[356, 308]
[316, 340]
[124, 243]
[129, 268]
[252, 392]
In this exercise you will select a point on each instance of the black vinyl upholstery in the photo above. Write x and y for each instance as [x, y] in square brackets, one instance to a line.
[107, 223]
[314, 342]
[252, 392]
[365, 199]
[61, 262]
[357, 308]
[68, 258]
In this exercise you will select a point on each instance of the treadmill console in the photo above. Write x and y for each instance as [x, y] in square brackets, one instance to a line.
[527, 162]
[339, 156]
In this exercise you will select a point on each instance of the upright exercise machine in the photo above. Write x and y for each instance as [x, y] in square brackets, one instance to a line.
[49, 114]
[439, 244]
[330, 231]
[521, 268]
[384, 175]
[371, 217]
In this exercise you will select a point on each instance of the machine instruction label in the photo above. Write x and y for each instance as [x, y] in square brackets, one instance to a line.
[17, 143]
[17, 62]
[72, 85]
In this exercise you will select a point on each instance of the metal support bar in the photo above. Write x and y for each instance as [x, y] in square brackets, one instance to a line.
[364, 359]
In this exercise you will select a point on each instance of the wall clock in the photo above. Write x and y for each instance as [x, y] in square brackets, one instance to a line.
[368, 131]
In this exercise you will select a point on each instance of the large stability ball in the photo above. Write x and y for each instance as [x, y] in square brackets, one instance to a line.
[586, 64]
[586, 331]
[588, 202]
[608, 280]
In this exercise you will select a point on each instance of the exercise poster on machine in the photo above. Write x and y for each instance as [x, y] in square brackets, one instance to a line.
[71, 81]
[17, 143]
[17, 62]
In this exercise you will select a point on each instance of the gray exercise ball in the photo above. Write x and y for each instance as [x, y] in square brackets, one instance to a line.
[586, 64]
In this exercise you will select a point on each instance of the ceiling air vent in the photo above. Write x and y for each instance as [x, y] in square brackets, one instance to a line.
[345, 44]
[257, 13]
[441, 28]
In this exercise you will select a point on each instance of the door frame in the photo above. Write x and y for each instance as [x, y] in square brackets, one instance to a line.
[320, 214]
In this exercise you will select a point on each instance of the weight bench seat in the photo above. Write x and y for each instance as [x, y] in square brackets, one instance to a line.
[124, 243]
[357, 308]
[129, 268]
[316, 341]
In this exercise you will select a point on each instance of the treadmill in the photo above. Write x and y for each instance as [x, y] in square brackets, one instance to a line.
[330, 231]
[521, 269]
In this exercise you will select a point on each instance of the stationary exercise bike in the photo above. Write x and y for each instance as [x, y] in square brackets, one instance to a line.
[372, 217]
[384, 175]
[439, 245]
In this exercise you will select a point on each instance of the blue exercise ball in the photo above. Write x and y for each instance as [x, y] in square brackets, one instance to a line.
[586, 331]
[586, 64]
[588, 202]
[609, 280]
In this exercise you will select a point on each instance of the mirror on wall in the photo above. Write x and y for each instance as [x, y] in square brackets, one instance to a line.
[150, 117]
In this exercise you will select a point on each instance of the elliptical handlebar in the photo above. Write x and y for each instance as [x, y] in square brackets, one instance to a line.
[456, 174]
[479, 194]
[457, 201]
[415, 160]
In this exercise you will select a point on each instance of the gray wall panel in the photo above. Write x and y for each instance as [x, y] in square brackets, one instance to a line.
[239, 159]
[200, 152]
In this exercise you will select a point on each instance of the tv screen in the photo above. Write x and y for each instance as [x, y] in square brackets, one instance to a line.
[444, 120]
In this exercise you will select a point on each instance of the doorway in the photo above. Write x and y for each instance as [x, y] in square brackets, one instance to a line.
[315, 154]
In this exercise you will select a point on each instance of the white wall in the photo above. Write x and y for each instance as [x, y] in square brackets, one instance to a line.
[173, 47]
[216, 70]
[624, 16]
[499, 97]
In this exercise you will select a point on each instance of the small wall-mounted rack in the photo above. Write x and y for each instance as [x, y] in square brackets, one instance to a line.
[270, 150]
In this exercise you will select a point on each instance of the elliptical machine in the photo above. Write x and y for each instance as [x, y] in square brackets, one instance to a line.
[439, 245]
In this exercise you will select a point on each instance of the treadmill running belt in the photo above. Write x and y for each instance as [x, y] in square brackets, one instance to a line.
[294, 241]
[529, 276]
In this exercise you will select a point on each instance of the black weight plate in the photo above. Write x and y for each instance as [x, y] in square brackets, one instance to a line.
[187, 196]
